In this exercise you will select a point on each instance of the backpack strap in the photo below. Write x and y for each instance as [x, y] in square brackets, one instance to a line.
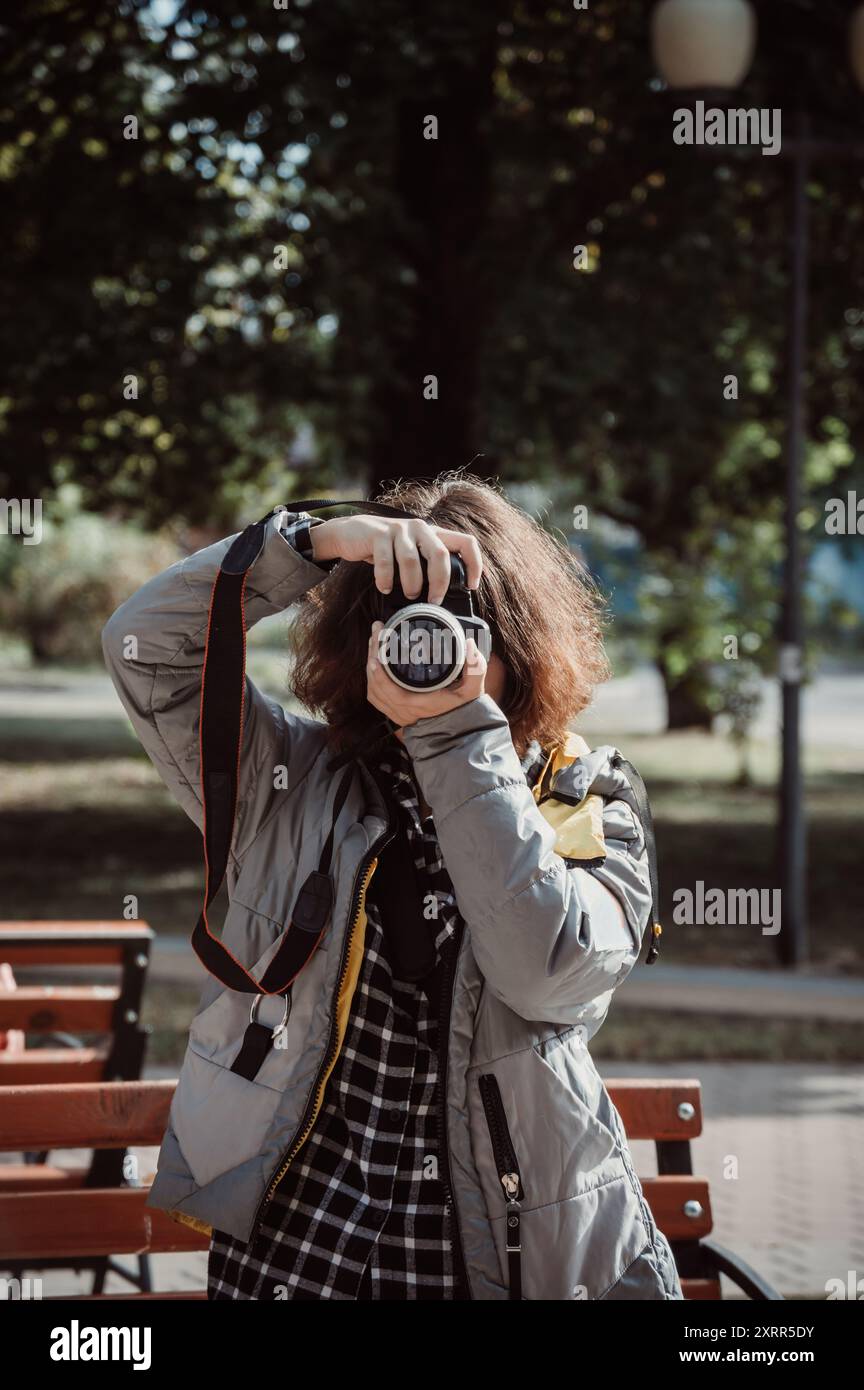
[641, 798]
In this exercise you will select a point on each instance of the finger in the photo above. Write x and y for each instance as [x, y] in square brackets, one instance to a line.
[438, 561]
[375, 667]
[381, 700]
[473, 673]
[373, 646]
[408, 560]
[468, 688]
[376, 692]
[374, 699]
[468, 547]
[382, 560]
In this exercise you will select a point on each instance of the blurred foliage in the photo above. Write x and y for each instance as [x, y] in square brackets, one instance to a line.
[280, 248]
[58, 594]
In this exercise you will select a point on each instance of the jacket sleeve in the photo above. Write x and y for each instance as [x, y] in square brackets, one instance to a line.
[154, 650]
[539, 931]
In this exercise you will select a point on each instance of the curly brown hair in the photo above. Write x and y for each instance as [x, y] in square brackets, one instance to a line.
[542, 606]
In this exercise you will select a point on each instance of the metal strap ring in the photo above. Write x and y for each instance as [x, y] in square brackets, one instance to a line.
[280, 1027]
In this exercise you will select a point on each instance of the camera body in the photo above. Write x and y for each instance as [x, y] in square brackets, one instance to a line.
[422, 645]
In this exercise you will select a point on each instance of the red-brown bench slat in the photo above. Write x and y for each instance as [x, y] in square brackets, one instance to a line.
[666, 1196]
[42, 1066]
[37, 1177]
[46, 957]
[185, 1294]
[70, 943]
[701, 1289]
[113, 1115]
[59, 1008]
[649, 1108]
[92, 1221]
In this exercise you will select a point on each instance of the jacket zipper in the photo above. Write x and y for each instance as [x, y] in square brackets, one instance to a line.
[508, 1172]
[310, 1114]
[448, 975]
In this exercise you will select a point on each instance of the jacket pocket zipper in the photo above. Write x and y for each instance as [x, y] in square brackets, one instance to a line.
[509, 1174]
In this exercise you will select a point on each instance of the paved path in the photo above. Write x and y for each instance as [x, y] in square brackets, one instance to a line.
[723, 989]
[631, 704]
[682, 988]
[694, 989]
[793, 1134]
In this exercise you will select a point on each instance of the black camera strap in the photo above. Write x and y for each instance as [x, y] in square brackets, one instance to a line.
[223, 688]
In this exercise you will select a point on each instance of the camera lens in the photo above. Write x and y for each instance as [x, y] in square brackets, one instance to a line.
[422, 647]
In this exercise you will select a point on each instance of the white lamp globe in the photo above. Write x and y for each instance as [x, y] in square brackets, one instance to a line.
[703, 43]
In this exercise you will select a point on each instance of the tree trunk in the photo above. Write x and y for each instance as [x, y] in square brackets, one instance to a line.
[686, 698]
[443, 188]
[39, 635]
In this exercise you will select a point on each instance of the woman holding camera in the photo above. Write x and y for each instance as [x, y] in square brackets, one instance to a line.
[424, 1120]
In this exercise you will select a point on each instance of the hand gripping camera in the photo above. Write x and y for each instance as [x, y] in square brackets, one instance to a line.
[422, 645]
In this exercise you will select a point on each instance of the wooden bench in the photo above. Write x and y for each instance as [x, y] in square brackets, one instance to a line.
[58, 1014]
[60, 1225]
[70, 1227]
[669, 1113]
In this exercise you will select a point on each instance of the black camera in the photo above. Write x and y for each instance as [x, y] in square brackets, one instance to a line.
[422, 645]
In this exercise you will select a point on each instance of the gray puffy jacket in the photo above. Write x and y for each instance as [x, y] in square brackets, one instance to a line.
[532, 984]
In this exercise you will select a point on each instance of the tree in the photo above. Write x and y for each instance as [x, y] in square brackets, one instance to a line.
[364, 217]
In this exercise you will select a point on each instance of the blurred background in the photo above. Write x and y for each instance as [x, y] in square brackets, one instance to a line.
[262, 251]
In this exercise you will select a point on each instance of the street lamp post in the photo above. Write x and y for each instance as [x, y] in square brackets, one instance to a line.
[793, 944]
[707, 46]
